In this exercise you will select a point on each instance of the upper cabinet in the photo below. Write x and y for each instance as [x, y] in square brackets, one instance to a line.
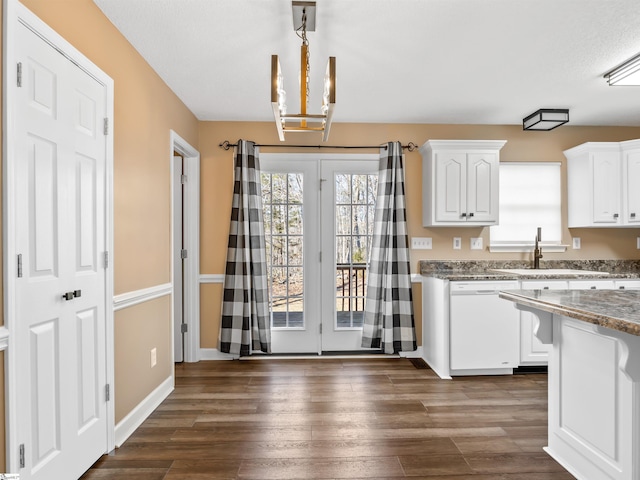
[602, 179]
[460, 182]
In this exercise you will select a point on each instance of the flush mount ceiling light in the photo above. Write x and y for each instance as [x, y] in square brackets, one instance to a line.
[626, 74]
[304, 19]
[546, 119]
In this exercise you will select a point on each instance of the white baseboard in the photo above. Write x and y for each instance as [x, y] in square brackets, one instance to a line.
[215, 354]
[139, 414]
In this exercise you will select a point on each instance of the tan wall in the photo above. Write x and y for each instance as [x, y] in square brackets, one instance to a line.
[217, 185]
[138, 329]
[145, 112]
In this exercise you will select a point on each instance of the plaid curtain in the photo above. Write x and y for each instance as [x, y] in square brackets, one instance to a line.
[388, 314]
[245, 310]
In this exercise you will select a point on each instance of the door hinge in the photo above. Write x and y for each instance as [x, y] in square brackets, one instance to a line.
[21, 455]
[183, 179]
[107, 392]
[19, 74]
[106, 259]
[320, 255]
[19, 265]
[183, 254]
[183, 328]
[320, 329]
[322, 180]
[106, 126]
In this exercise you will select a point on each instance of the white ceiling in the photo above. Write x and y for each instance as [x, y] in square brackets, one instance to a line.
[398, 61]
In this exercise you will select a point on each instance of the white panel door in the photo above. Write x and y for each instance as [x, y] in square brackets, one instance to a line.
[60, 236]
[632, 179]
[482, 191]
[606, 187]
[451, 193]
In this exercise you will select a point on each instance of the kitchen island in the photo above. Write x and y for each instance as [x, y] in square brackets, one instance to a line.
[594, 378]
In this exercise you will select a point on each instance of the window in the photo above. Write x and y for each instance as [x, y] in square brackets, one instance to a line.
[530, 197]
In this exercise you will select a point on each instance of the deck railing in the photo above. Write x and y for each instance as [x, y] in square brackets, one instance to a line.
[351, 285]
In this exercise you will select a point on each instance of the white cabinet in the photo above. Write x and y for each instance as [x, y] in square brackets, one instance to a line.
[460, 182]
[602, 179]
[532, 350]
[627, 284]
[591, 284]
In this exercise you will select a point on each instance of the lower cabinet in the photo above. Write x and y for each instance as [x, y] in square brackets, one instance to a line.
[468, 330]
[532, 350]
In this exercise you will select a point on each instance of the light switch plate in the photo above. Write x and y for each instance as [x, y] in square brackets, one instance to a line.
[576, 243]
[457, 243]
[476, 243]
[421, 243]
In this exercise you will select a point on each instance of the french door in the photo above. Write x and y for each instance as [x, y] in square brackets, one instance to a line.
[318, 215]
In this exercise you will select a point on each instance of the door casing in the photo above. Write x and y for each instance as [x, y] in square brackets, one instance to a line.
[191, 226]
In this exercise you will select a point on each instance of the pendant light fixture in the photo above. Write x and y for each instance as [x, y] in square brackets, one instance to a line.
[304, 16]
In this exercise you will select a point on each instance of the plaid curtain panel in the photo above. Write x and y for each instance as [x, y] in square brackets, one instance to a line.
[388, 316]
[245, 310]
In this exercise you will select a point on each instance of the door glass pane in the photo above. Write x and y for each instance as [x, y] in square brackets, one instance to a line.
[283, 212]
[354, 210]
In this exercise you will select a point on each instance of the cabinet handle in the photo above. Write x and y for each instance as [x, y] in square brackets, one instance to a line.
[621, 287]
[471, 214]
[545, 288]
[463, 215]
[615, 215]
[593, 287]
[633, 215]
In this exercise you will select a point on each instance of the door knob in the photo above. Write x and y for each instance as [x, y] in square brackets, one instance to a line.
[71, 295]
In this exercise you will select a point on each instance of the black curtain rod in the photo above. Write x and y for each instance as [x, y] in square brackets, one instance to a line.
[410, 146]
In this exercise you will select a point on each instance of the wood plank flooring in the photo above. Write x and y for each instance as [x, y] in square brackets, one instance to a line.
[329, 418]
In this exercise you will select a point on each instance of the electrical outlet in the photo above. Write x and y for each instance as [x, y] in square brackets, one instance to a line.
[476, 243]
[154, 357]
[576, 243]
[457, 243]
[421, 243]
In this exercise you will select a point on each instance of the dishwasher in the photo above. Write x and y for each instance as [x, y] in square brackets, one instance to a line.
[484, 329]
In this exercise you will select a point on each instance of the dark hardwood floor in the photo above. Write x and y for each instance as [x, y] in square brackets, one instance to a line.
[330, 418]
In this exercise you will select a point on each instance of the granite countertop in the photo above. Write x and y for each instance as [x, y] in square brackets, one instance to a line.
[615, 309]
[469, 270]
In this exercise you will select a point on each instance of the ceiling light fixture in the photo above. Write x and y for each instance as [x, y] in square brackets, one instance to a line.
[304, 19]
[626, 74]
[546, 119]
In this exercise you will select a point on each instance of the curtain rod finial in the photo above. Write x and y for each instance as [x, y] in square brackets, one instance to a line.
[225, 145]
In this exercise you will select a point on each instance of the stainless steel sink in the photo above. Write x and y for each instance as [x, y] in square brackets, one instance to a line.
[551, 271]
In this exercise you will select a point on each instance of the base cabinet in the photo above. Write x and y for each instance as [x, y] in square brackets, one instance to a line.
[594, 413]
[532, 350]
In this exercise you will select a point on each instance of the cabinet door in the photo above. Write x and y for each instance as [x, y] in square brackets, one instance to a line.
[632, 179]
[606, 187]
[532, 350]
[482, 187]
[591, 284]
[451, 196]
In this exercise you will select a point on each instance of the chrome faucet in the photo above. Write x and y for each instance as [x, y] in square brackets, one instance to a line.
[537, 251]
